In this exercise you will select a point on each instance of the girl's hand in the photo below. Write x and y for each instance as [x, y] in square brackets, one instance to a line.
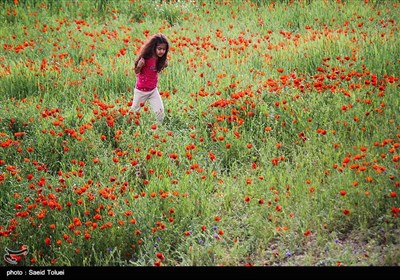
[139, 65]
[140, 62]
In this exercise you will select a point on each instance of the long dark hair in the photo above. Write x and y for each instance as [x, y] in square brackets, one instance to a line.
[149, 49]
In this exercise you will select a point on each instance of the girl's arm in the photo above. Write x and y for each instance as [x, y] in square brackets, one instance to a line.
[165, 65]
[139, 65]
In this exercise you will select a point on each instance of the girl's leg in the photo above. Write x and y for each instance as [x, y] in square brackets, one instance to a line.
[157, 105]
[139, 98]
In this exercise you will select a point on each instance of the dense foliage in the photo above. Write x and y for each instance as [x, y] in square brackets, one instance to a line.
[280, 144]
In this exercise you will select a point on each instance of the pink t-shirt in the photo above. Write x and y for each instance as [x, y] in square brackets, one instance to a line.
[147, 79]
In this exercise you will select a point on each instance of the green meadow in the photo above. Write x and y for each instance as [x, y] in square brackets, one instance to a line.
[280, 145]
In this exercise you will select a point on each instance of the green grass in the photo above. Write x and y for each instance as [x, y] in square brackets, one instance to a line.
[279, 146]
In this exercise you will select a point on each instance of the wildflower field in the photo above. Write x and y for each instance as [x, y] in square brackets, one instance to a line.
[280, 145]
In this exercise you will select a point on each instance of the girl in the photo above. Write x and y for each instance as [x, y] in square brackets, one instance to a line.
[151, 60]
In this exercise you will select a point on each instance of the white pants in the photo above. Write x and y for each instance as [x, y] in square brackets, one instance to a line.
[154, 98]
